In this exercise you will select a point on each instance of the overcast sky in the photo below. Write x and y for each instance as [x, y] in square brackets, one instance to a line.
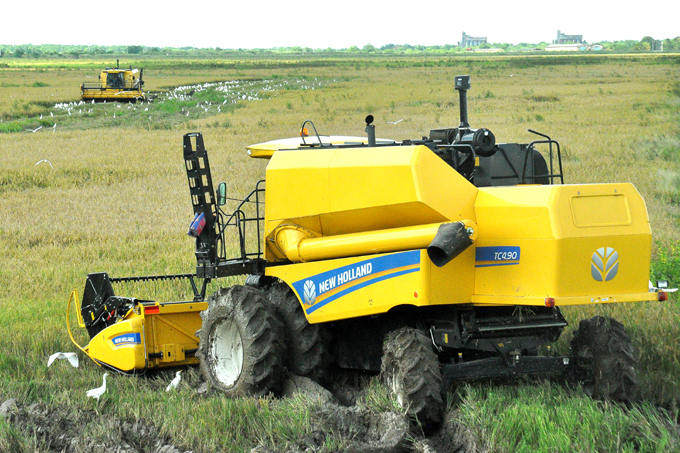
[322, 24]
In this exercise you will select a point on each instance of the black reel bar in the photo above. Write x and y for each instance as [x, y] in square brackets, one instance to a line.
[101, 307]
[202, 200]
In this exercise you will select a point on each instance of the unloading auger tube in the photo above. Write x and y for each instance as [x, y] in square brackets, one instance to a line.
[443, 241]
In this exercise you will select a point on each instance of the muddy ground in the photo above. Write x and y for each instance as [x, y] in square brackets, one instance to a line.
[59, 429]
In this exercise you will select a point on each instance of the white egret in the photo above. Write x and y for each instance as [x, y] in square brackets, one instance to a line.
[175, 382]
[99, 391]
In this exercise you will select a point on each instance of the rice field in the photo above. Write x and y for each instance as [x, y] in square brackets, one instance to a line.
[102, 188]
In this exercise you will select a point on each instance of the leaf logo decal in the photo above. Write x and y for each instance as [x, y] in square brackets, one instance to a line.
[605, 264]
[310, 292]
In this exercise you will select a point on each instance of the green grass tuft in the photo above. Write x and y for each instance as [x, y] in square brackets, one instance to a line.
[666, 266]
[547, 418]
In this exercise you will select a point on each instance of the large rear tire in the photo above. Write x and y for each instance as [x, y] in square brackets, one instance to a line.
[410, 368]
[605, 359]
[241, 348]
[307, 344]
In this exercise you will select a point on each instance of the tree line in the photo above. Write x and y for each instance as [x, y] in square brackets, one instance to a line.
[646, 44]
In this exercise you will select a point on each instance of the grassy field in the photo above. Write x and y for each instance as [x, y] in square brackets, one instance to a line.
[113, 197]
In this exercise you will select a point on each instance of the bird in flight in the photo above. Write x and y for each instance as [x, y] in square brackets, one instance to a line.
[40, 162]
[70, 356]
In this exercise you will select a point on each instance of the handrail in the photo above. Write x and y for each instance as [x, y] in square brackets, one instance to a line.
[239, 219]
[551, 174]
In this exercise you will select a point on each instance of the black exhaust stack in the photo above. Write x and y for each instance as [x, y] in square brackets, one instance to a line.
[482, 141]
[370, 130]
[462, 84]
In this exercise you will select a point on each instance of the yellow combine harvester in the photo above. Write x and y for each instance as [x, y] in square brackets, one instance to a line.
[115, 84]
[428, 260]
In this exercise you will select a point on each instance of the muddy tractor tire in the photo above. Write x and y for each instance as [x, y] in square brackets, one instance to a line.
[241, 347]
[307, 344]
[410, 368]
[605, 359]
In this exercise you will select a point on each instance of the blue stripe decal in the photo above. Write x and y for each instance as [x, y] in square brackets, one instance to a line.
[327, 286]
[313, 308]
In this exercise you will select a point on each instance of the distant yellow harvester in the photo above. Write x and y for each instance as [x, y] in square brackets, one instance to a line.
[115, 84]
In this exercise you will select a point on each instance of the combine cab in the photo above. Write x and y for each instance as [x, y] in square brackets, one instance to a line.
[115, 84]
[430, 261]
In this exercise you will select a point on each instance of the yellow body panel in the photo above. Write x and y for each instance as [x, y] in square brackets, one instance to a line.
[351, 287]
[578, 244]
[349, 190]
[120, 345]
[172, 331]
[112, 94]
[359, 286]
[150, 336]
[267, 149]
[557, 230]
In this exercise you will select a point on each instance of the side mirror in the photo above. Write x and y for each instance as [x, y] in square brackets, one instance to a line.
[221, 194]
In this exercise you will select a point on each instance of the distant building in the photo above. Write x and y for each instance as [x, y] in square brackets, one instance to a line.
[567, 39]
[573, 47]
[564, 48]
[471, 41]
[490, 50]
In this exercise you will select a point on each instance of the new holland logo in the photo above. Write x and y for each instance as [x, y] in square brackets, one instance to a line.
[605, 264]
[310, 292]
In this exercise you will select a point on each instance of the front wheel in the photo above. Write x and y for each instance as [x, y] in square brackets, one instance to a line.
[307, 344]
[241, 347]
[605, 359]
[410, 368]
